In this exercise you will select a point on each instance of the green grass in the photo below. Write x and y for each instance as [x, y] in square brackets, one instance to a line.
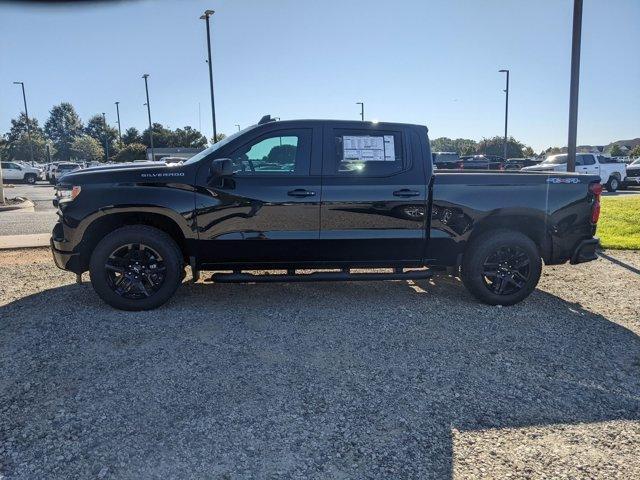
[619, 225]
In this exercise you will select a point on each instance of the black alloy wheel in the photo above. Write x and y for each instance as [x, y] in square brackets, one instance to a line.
[506, 271]
[135, 271]
[136, 267]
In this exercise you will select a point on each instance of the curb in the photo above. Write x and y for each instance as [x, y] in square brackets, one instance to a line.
[12, 242]
[25, 204]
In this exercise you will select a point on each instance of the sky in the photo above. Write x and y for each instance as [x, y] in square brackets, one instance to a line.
[431, 62]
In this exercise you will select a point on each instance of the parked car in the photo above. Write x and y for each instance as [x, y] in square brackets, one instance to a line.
[445, 160]
[273, 196]
[62, 168]
[481, 162]
[48, 168]
[15, 171]
[518, 163]
[611, 172]
[633, 175]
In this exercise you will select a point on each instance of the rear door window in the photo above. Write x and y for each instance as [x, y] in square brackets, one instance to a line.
[367, 153]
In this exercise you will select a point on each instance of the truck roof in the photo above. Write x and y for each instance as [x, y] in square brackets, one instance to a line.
[345, 123]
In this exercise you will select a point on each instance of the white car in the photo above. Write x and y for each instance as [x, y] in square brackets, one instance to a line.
[611, 172]
[19, 172]
[61, 169]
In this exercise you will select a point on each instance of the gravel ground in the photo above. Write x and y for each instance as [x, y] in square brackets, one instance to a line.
[329, 380]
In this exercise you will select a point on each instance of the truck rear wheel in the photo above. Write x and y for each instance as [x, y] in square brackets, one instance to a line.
[136, 268]
[501, 267]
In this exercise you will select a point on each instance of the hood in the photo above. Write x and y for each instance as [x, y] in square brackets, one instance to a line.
[129, 173]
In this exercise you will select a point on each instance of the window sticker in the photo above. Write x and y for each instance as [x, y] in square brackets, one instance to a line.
[366, 148]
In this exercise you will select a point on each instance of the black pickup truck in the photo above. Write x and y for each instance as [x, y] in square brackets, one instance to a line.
[318, 195]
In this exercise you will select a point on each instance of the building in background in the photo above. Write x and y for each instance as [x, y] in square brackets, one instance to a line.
[181, 152]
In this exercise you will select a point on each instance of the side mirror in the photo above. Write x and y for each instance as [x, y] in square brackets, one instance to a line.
[222, 167]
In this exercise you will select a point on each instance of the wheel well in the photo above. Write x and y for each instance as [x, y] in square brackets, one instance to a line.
[532, 227]
[107, 224]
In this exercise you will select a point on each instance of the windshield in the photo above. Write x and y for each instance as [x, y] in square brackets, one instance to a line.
[217, 145]
[555, 160]
[636, 162]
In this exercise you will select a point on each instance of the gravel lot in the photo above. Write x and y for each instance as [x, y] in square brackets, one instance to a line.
[328, 380]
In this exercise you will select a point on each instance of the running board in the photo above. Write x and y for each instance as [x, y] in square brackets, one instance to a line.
[318, 277]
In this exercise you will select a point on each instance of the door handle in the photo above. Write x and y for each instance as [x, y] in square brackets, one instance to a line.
[301, 192]
[405, 192]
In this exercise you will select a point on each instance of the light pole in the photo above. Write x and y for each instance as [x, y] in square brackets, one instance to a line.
[238, 126]
[573, 89]
[26, 114]
[506, 113]
[205, 16]
[106, 137]
[146, 88]
[361, 110]
[118, 114]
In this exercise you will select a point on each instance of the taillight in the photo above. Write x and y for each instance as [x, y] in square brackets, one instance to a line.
[596, 191]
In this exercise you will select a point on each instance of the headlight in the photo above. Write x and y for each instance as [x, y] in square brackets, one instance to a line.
[67, 194]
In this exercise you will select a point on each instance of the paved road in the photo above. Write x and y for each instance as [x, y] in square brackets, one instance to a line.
[40, 221]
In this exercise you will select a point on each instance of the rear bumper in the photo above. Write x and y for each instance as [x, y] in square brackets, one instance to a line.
[585, 251]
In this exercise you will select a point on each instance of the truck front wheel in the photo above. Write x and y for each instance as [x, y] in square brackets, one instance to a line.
[613, 184]
[501, 267]
[30, 178]
[136, 268]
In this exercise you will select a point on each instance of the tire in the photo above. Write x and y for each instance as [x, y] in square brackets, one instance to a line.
[30, 178]
[492, 248]
[141, 293]
[613, 184]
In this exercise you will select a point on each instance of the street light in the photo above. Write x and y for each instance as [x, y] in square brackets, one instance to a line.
[506, 113]
[573, 89]
[361, 110]
[205, 17]
[106, 138]
[238, 126]
[118, 114]
[26, 114]
[146, 87]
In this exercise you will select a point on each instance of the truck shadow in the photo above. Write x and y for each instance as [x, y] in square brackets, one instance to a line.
[315, 380]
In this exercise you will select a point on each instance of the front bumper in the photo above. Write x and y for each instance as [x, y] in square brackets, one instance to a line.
[585, 251]
[631, 181]
[66, 260]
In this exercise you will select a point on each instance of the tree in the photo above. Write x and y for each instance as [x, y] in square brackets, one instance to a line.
[635, 152]
[101, 132]
[87, 148]
[219, 136]
[162, 137]
[462, 146]
[282, 154]
[189, 137]
[616, 151]
[18, 146]
[131, 152]
[62, 128]
[131, 135]
[495, 146]
[528, 152]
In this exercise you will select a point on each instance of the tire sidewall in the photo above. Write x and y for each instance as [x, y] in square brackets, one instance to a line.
[156, 239]
[484, 246]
